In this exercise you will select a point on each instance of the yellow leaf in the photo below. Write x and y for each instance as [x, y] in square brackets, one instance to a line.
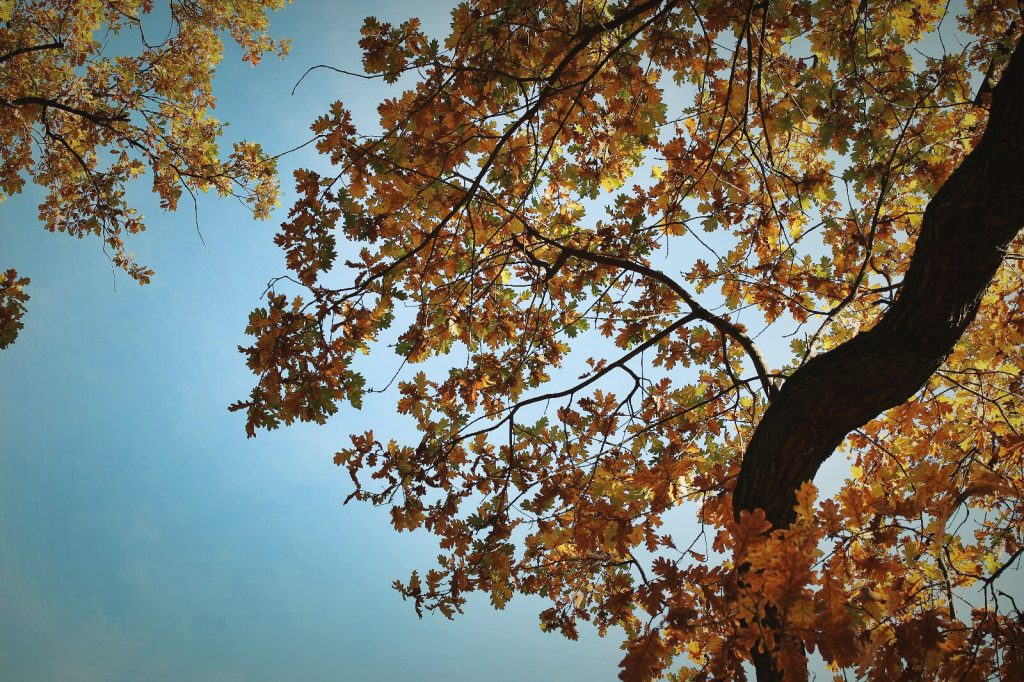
[611, 182]
[903, 23]
[806, 495]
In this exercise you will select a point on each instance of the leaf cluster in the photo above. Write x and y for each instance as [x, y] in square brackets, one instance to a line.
[96, 93]
[575, 223]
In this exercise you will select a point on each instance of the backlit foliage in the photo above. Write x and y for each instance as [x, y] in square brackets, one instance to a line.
[95, 93]
[12, 306]
[637, 190]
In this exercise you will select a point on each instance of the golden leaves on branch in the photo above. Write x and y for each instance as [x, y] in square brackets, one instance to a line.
[577, 219]
[12, 306]
[83, 121]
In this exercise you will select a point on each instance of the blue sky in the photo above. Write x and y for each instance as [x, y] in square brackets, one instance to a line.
[142, 537]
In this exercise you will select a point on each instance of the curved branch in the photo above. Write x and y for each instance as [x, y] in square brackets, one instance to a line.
[620, 363]
[98, 119]
[56, 45]
[699, 312]
[965, 232]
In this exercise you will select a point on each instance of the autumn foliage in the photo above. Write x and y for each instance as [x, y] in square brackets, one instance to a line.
[96, 93]
[12, 306]
[575, 226]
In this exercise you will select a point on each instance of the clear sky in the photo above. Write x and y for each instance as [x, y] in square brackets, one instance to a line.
[142, 537]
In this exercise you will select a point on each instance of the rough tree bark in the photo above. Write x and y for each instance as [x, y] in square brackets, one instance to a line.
[964, 235]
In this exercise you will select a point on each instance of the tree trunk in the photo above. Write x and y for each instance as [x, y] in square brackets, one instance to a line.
[964, 235]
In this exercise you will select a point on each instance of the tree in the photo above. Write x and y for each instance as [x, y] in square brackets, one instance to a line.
[658, 184]
[94, 93]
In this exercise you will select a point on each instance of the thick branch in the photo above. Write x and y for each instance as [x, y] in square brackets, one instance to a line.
[99, 119]
[964, 235]
[57, 45]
